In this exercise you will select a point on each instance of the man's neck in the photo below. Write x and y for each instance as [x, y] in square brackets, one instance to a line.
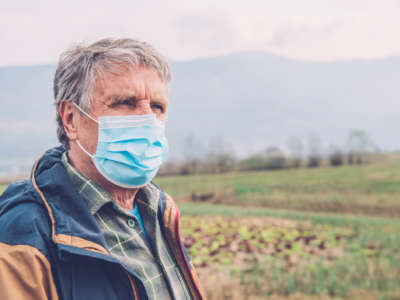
[124, 197]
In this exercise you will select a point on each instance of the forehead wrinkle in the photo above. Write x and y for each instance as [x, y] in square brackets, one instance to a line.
[155, 94]
[113, 87]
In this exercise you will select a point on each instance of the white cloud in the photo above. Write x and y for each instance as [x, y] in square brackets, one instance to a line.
[37, 31]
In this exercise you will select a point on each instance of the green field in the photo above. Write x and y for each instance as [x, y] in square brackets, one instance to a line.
[368, 190]
[325, 233]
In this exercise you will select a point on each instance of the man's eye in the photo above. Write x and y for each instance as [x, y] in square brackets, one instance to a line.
[157, 107]
[124, 102]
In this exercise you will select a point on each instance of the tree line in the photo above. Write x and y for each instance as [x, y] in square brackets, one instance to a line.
[360, 149]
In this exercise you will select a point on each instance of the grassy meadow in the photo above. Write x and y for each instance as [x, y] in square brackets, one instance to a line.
[372, 189]
[323, 233]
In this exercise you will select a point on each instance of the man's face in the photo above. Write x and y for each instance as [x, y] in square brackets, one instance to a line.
[134, 92]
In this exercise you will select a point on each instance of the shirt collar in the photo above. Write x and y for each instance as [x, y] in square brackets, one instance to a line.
[96, 197]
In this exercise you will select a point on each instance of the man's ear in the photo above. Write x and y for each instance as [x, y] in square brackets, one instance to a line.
[70, 117]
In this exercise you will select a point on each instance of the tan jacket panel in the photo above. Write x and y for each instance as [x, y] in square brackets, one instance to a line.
[25, 273]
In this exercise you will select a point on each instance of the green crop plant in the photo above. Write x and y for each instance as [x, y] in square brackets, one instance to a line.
[269, 257]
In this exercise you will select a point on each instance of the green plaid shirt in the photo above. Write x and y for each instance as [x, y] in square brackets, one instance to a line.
[148, 257]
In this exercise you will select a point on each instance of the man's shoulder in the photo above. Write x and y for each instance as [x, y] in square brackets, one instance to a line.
[18, 194]
[23, 218]
[163, 197]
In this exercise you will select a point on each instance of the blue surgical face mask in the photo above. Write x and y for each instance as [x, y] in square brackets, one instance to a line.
[130, 149]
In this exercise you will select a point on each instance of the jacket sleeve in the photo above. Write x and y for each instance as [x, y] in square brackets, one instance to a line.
[25, 273]
[25, 269]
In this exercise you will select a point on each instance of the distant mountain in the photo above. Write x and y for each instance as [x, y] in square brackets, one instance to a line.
[250, 100]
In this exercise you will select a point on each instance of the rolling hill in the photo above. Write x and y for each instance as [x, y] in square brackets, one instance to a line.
[247, 100]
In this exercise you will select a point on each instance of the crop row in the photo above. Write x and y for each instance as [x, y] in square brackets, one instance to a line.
[277, 256]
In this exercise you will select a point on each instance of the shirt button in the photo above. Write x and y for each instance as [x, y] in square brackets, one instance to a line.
[131, 223]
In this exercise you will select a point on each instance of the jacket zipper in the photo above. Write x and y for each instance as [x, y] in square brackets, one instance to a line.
[176, 227]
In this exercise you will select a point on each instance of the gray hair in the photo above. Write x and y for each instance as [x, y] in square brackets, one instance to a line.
[80, 67]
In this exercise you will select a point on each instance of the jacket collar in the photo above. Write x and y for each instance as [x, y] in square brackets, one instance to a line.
[72, 223]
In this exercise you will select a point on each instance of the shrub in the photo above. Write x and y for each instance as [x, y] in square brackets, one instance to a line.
[336, 159]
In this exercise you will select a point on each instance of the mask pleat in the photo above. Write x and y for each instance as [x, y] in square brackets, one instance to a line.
[130, 149]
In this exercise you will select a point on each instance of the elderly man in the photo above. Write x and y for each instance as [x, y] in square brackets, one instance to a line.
[90, 224]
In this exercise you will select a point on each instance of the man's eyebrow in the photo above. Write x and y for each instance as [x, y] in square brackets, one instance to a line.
[160, 101]
[115, 99]
[119, 98]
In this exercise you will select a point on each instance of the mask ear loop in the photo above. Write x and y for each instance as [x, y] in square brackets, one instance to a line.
[83, 149]
[90, 117]
[84, 112]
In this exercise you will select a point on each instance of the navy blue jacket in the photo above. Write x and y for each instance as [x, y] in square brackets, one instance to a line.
[52, 248]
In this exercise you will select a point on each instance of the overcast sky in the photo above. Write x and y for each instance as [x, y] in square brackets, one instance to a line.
[34, 32]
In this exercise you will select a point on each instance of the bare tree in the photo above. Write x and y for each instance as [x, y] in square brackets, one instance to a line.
[220, 157]
[192, 151]
[360, 147]
[314, 156]
[296, 148]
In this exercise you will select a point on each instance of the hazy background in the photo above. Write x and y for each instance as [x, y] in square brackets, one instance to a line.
[246, 75]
